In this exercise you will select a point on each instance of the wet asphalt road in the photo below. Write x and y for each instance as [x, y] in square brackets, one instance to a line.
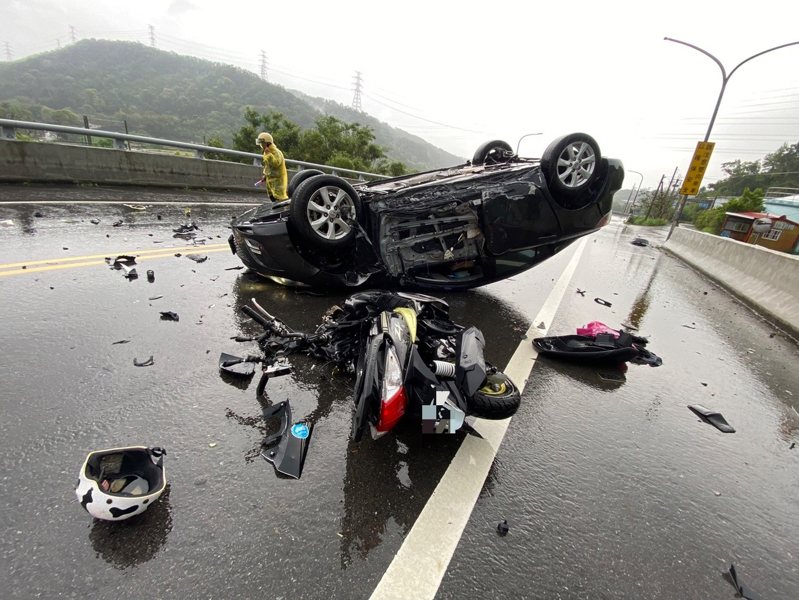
[612, 490]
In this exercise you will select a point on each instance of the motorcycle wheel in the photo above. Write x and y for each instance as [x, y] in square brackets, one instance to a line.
[499, 398]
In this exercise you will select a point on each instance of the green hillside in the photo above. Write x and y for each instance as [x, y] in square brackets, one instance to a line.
[167, 95]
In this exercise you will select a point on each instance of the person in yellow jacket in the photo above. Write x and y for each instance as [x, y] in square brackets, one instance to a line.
[275, 174]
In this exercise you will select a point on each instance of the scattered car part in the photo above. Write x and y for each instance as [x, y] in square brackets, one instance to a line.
[151, 276]
[123, 260]
[119, 483]
[120, 342]
[712, 417]
[117, 223]
[186, 228]
[235, 365]
[289, 445]
[602, 302]
[168, 315]
[95, 221]
[503, 528]
[144, 363]
[197, 258]
[640, 242]
[604, 348]
[449, 229]
[581, 292]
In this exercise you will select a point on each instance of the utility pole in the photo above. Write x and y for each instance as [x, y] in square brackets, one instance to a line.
[58, 43]
[72, 33]
[655, 196]
[152, 35]
[264, 66]
[9, 55]
[356, 99]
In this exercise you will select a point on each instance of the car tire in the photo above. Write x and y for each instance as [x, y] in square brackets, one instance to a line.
[299, 177]
[324, 211]
[570, 165]
[493, 153]
[499, 398]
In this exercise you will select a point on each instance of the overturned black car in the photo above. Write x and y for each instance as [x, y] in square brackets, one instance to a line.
[449, 229]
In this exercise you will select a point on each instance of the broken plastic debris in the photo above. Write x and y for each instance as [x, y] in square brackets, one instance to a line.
[154, 298]
[168, 315]
[581, 292]
[121, 261]
[150, 276]
[186, 228]
[288, 457]
[136, 206]
[117, 223]
[602, 302]
[197, 258]
[235, 268]
[147, 363]
[792, 446]
[95, 221]
[640, 242]
[502, 528]
[131, 273]
[212, 445]
[712, 417]
[236, 365]
[120, 342]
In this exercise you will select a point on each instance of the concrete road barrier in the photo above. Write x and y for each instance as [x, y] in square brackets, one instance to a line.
[38, 162]
[763, 278]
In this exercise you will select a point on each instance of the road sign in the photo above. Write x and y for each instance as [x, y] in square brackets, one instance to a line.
[696, 171]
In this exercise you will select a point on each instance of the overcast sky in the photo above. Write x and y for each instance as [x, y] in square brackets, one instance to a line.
[458, 73]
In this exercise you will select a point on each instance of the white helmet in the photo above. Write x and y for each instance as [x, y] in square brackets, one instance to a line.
[119, 483]
[264, 138]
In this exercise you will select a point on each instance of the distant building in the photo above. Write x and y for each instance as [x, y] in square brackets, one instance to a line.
[781, 235]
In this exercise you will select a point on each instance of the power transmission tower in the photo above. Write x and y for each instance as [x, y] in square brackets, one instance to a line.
[72, 33]
[356, 99]
[9, 55]
[264, 66]
[152, 36]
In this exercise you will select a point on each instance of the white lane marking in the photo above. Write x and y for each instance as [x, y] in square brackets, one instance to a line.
[422, 560]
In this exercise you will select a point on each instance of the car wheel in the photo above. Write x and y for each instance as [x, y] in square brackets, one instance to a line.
[499, 398]
[325, 210]
[299, 177]
[570, 165]
[493, 153]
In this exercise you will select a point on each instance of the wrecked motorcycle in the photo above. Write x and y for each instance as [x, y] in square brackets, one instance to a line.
[408, 358]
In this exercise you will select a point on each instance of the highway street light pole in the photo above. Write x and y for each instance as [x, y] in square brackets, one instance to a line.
[724, 79]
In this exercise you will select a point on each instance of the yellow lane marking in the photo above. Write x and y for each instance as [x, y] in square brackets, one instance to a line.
[100, 262]
[55, 261]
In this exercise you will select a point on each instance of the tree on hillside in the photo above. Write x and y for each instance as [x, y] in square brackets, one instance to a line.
[780, 168]
[331, 142]
[711, 220]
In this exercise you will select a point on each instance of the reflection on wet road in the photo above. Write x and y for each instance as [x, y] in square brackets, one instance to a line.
[601, 481]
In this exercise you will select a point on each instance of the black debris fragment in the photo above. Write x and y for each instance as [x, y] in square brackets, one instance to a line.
[732, 576]
[159, 217]
[150, 276]
[147, 363]
[235, 365]
[581, 292]
[120, 342]
[289, 445]
[640, 242]
[95, 221]
[793, 445]
[117, 223]
[65, 248]
[178, 254]
[712, 417]
[121, 261]
[691, 326]
[503, 528]
[235, 268]
[187, 228]
[38, 214]
[197, 258]
[154, 298]
[168, 315]
[602, 302]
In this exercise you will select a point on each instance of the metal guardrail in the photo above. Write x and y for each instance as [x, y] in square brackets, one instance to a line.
[8, 129]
